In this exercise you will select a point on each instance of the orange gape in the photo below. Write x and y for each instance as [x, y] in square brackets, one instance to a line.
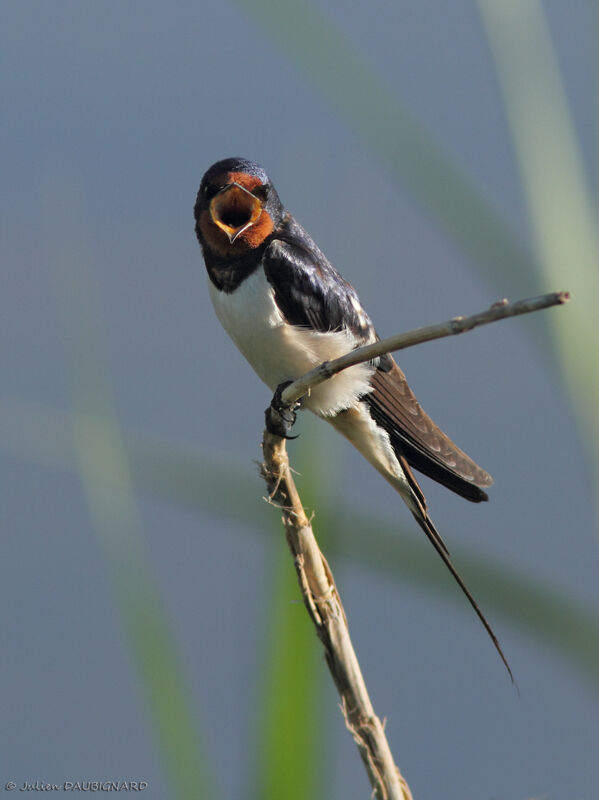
[249, 239]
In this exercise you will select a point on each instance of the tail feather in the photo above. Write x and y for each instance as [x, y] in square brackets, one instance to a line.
[420, 514]
[359, 426]
[427, 526]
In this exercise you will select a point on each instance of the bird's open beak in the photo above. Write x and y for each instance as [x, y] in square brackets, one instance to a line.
[234, 210]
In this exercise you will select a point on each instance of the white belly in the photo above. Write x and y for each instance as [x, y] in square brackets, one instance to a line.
[280, 352]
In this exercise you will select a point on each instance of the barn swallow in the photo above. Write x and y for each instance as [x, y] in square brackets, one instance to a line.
[287, 309]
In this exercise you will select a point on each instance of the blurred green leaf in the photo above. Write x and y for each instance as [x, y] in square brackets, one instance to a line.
[559, 200]
[100, 458]
[288, 747]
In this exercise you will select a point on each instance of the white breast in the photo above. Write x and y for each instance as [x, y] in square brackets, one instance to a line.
[280, 352]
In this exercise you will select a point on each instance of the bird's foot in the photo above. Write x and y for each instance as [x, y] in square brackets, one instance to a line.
[280, 418]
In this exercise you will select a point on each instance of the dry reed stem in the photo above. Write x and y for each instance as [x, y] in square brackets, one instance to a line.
[323, 603]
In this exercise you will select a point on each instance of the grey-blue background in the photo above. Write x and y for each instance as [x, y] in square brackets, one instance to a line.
[110, 114]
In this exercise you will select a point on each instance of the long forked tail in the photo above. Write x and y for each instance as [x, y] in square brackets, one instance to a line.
[357, 425]
[420, 513]
[427, 526]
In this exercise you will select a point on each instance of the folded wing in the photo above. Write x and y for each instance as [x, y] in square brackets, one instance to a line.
[413, 434]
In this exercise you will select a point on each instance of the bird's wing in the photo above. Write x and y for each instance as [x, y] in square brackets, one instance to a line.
[413, 434]
[310, 292]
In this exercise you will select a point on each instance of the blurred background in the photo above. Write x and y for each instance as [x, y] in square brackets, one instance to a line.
[443, 156]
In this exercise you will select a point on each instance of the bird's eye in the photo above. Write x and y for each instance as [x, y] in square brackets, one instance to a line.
[261, 192]
[209, 191]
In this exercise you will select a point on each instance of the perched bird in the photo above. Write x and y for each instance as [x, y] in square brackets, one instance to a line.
[287, 309]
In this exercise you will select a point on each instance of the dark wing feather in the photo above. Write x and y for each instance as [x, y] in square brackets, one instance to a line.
[308, 289]
[412, 432]
[310, 292]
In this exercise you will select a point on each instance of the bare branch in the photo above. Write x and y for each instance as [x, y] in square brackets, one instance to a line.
[323, 603]
[498, 311]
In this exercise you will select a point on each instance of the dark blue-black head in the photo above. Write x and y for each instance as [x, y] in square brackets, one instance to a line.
[237, 207]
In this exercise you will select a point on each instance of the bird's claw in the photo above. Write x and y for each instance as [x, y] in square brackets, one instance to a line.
[280, 418]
